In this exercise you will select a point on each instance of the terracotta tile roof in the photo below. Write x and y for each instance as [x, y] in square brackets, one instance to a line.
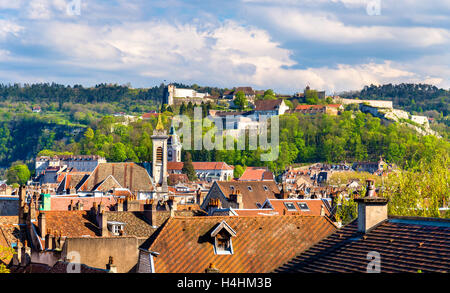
[257, 194]
[267, 105]
[149, 115]
[71, 223]
[200, 166]
[256, 212]
[175, 166]
[256, 174]
[245, 89]
[62, 202]
[122, 192]
[177, 178]
[334, 105]
[128, 175]
[404, 245]
[72, 180]
[307, 107]
[136, 224]
[314, 205]
[261, 244]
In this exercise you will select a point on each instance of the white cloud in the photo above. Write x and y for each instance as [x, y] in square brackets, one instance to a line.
[225, 55]
[326, 27]
[216, 53]
[8, 27]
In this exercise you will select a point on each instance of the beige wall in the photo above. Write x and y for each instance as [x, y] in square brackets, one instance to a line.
[95, 252]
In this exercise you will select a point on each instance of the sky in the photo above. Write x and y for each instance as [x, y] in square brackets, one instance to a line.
[332, 45]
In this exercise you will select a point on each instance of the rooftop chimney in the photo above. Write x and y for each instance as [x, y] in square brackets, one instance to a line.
[103, 223]
[284, 194]
[42, 224]
[372, 210]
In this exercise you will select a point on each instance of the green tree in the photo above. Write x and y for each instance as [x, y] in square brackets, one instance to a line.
[118, 152]
[311, 97]
[238, 171]
[188, 167]
[18, 173]
[269, 95]
[240, 101]
[89, 134]
[421, 191]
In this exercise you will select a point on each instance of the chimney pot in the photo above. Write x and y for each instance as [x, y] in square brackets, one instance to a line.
[372, 210]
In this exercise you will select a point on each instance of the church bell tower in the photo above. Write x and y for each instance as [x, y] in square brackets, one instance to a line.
[159, 162]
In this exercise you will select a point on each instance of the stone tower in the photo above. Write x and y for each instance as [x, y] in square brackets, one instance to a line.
[173, 147]
[169, 94]
[159, 162]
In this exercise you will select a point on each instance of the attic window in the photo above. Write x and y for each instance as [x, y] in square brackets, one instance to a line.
[303, 206]
[290, 206]
[116, 228]
[222, 235]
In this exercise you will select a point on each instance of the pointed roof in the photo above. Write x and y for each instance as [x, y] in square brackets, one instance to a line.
[159, 125]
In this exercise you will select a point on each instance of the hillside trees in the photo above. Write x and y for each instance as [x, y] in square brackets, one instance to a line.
[18, 173]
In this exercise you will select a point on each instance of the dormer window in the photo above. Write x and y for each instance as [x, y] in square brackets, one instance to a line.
[222, 235]
[116, 228]
[250, 188]
[265, 188]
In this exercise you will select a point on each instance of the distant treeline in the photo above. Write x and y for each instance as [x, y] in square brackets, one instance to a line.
[53, 92]
[408, 96]
[46, 92]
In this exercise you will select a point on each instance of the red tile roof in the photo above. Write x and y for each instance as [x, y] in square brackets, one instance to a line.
[70, 223]
[260, 245]
[256, 174]
[257, 194]
[62, 202]
[334, 105]
[149, 115]
[128, 175]
[200, 166]
[267, 105]
[404, 245]
[314, 205]
[307, 107]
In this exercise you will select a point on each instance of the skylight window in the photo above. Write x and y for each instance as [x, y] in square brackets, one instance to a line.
[290, 206]
[303, 206]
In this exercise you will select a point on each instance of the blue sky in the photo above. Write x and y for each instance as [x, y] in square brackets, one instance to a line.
[334, 45]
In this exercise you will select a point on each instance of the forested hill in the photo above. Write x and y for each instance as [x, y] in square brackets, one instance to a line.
[77, 94]
[407, 96]
[46, 92]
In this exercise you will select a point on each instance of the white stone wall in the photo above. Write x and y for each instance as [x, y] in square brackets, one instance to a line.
[422, 120]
